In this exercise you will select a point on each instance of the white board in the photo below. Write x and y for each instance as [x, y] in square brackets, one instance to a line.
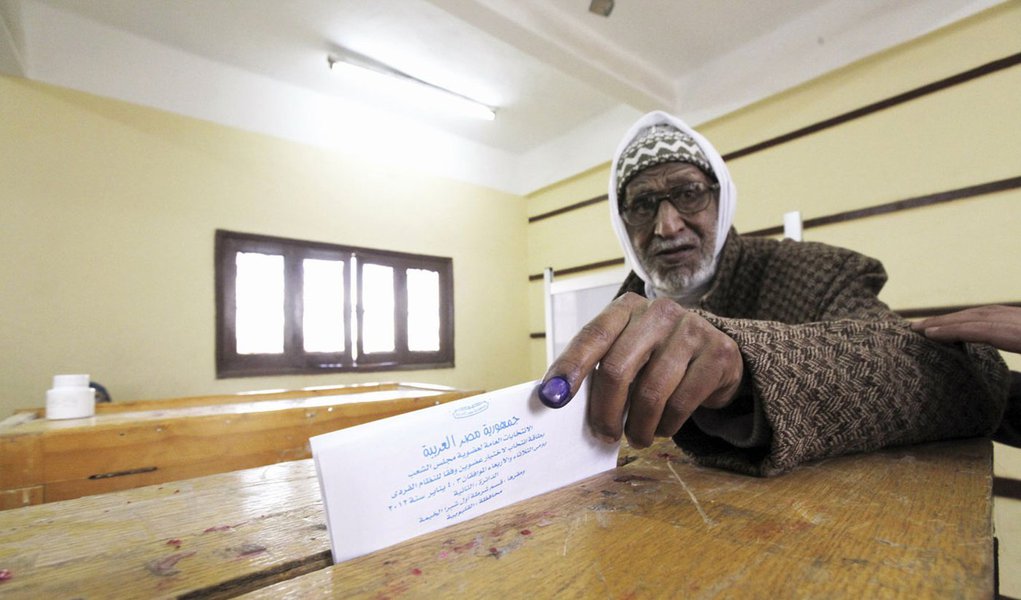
[571, 303]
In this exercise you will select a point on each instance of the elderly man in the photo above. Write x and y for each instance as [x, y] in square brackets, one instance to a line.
[755, 355]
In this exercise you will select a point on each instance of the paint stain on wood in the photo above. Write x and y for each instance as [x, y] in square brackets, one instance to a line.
[393, 589]
[468, 546]
[175, 543]
[248, 549]
[633, 478]
[498, 551]
[167, 566]
[223, 527]
[6, 575]
[520, 521]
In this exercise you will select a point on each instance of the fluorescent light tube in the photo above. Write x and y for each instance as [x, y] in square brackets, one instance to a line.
[439, 98]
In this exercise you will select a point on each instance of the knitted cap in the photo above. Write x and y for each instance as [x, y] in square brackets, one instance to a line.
[656, 145]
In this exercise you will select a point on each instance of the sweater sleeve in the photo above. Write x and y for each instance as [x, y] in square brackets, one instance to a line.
[848, 376]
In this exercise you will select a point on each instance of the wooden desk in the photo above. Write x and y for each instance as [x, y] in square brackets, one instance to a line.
[132, 444]
[911, 523]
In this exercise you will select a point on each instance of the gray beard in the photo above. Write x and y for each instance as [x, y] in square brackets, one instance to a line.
[686, 288]
[683, 286]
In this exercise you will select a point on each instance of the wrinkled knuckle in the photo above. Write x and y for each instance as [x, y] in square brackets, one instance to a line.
[648, 394]
[669, 315]
[700, 330]
[676, 412]
[615, 372]
[726, 351]
[595, 333]
[629, 299]
[667, 309]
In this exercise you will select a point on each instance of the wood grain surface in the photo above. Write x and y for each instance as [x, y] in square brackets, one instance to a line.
[47, 461]
[902, 523]
[908, 523]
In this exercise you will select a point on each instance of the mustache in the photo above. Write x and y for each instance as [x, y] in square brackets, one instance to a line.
[658, 245]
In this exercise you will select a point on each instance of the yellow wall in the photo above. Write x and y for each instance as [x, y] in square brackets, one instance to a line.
[963, 252]
[107, 217]
[968, 134]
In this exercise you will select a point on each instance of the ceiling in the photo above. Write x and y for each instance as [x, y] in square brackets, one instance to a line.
[566, 82]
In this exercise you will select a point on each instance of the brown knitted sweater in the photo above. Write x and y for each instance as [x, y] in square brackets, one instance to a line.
[830, 369]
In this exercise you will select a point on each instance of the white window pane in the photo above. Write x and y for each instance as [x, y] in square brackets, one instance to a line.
[259, 303]
[423, 310]
[354, 307]
[323, 296]
[378, 308]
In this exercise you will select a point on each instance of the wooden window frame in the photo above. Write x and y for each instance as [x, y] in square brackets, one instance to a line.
[295, 360]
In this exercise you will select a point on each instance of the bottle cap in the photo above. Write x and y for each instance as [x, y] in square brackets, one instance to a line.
[63, 381]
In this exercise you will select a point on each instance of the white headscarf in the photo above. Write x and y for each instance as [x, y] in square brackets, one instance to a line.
[728, 192]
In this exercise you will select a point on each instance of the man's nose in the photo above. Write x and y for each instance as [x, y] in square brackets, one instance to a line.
[669, 222]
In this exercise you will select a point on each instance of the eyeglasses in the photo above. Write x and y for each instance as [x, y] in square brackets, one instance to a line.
[687, 199]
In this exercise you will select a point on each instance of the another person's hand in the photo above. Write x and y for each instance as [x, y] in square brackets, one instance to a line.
[653, 359]
[999, 326]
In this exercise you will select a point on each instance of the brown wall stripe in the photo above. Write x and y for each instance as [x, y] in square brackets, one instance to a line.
[917, 202]
[861, 213]
[568, 208]
[1005, 487]
[908, 313]
[986, 69]
[580, 268]
[942, 84]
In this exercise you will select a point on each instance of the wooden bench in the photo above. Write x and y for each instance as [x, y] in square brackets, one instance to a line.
[133, 444]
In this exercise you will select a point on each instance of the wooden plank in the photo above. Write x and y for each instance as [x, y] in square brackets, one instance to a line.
[19, 461]
[253, 396]
[17, 419]
[173, 449]
[236, 529]
[121, 450]
[908, 523]
[18, 497]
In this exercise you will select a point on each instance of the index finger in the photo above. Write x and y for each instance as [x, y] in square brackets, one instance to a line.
[975, 314]
[584, 351]
[1003, 336]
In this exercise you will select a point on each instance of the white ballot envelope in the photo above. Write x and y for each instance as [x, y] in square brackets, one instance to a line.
[397, 478]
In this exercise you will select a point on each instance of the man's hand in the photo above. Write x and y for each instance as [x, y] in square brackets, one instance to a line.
[999, 326]
[653, 359]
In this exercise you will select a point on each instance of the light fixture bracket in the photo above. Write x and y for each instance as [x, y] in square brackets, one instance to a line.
[601, 7]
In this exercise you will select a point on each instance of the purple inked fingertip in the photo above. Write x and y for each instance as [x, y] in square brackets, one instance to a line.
[555, 393]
